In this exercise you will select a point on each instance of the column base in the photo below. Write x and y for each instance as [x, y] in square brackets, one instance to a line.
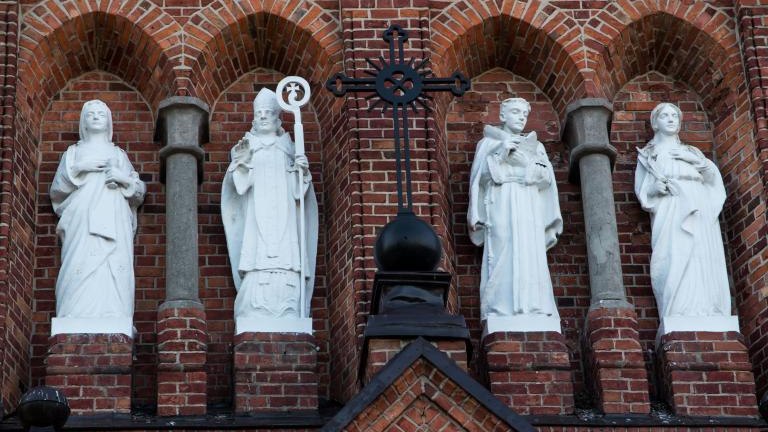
[530, 371]
[275, 372]
[707, 374]
[615, 363]
[182, 339]
[93, 371]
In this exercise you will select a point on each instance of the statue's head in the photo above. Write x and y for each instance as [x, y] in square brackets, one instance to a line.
[95, 118]
[266, 112]
[514, 114]
[666, 119]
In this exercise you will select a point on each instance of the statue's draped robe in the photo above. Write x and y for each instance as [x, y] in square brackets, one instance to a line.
[260, 211]
[688, 272]
[96, 227]
[514, 212]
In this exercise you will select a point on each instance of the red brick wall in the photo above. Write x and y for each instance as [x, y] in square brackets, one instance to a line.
[753, 24]
[15, 297]
[231, 117]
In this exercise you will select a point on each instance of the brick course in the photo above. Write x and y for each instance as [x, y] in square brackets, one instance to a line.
[381, 351]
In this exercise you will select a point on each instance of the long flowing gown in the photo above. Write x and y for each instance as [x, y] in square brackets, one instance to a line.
[688, 271]
[97, 223]
[260, 212]
[516, 214]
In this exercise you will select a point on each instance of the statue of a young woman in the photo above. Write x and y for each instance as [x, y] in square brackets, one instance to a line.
[95, 193]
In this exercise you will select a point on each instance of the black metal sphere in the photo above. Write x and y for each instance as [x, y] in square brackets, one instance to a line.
[43, 406]
[407, 244]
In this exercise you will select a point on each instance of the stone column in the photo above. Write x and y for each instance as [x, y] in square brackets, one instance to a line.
[181, 325]
[612, 341]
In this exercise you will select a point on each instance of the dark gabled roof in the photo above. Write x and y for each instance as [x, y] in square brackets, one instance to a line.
[421, 348]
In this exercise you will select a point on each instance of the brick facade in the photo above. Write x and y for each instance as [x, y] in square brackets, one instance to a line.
[708, 56]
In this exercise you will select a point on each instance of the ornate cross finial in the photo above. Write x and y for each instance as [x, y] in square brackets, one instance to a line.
[401, 85]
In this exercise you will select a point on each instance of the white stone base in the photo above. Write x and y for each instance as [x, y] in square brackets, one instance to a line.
[92, 326]
[697, 324]
[273, 325]
[521, 323]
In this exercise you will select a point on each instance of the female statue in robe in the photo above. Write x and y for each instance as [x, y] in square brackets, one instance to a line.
[514, 212]
[684, 193]
[95, 193]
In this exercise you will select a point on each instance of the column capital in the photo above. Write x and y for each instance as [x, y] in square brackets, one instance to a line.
[182, 126]
[587, 126]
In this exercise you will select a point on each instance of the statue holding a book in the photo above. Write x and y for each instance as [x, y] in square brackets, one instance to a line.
[514, 213]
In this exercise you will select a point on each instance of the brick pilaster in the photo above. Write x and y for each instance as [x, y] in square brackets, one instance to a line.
[275, 372]
[707, 373]
[181, 377]
[615, 363]
[530, 372]
[93, 371]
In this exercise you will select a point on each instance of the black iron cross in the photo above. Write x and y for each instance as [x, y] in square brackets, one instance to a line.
[401, 85]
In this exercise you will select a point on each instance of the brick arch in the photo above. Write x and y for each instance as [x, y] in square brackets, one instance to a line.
[530, 39]
[226, 40]
[62, 40]
[690, 41]
[696, 45]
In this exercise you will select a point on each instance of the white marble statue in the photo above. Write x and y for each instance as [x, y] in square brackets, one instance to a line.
[260, 211]
[95, 193]
[684, 193]
[514, 213]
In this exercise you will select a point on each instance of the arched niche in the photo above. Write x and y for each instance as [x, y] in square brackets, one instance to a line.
[59, 42]
[630, 129]
[133, 125]
[230, 45]
[464, 123]
[696, 46]
[231, 117]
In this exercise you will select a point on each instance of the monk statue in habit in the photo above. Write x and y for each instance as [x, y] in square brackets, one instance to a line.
[515, 215]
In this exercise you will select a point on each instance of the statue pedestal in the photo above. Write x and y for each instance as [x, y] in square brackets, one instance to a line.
[707, 374]
[93, 371]
[615, 366]
[719, 324]
[275, 372]
[521, 323]
[92, 326]
[530, 372]
[273, 325]
[182, 342]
